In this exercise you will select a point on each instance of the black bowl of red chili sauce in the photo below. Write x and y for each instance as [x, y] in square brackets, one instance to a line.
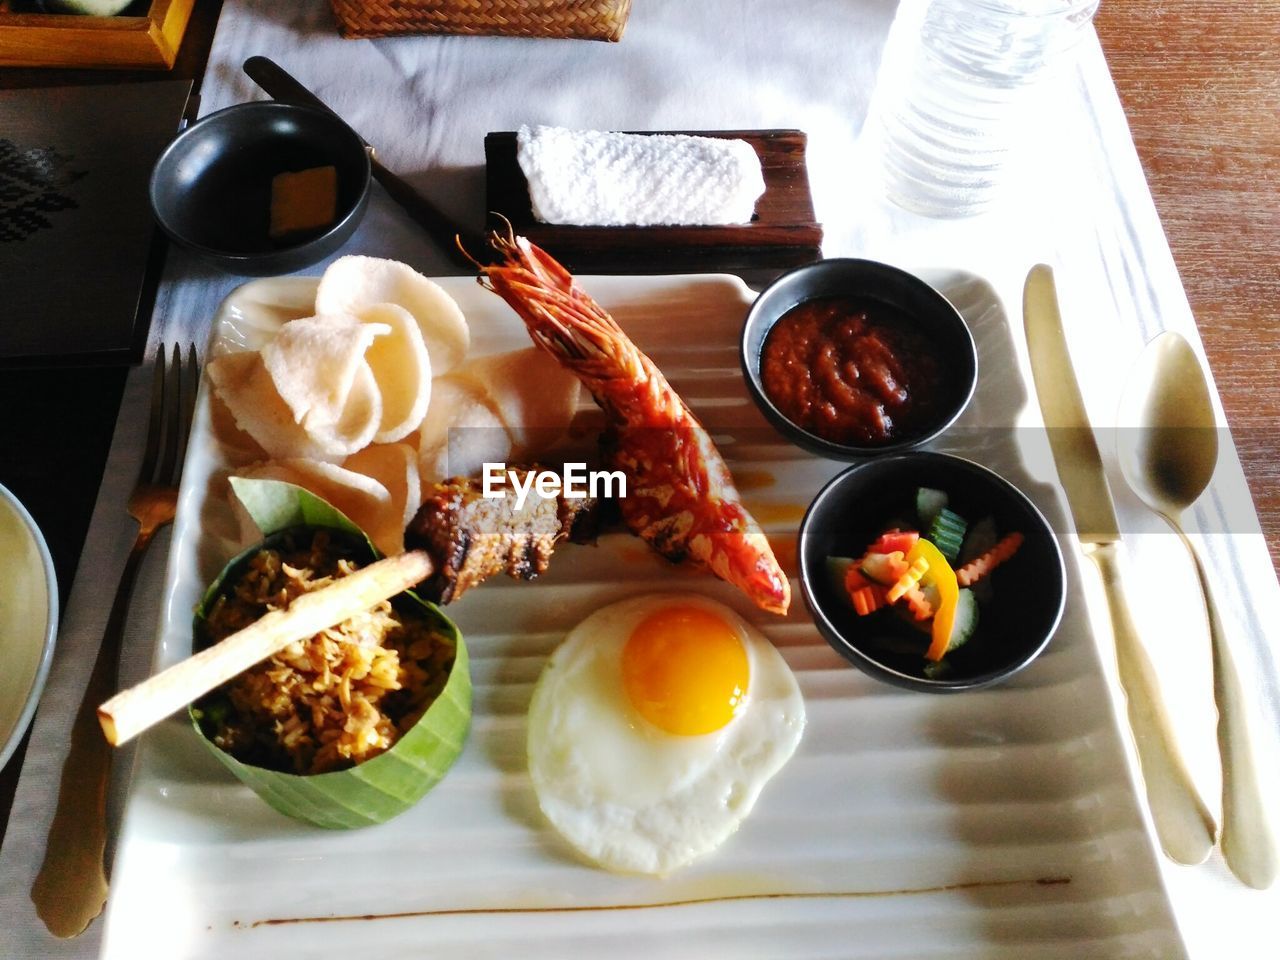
[853, 358]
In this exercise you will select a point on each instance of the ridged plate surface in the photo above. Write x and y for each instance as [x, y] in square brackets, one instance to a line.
[995, 824]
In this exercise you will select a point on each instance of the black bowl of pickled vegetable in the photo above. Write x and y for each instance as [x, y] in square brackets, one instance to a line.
[931, 572]
[853, 358]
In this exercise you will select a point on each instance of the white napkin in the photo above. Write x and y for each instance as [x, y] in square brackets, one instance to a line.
[594, 178]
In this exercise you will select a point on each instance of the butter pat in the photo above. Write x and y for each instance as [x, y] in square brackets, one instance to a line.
[605, 179]
[306, 200]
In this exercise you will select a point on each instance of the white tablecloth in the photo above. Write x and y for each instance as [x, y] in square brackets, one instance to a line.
[1077, 199]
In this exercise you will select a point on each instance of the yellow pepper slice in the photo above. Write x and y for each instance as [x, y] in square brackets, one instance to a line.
[943, 578]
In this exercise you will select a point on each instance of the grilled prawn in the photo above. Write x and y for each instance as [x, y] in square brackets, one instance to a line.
[680, 494]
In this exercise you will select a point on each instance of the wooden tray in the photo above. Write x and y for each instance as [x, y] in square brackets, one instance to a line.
[66, 40]
[783, 232]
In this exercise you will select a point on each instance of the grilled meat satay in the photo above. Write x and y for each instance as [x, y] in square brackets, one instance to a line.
[472, 537]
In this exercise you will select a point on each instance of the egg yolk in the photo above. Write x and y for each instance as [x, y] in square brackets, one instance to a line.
[685, 670]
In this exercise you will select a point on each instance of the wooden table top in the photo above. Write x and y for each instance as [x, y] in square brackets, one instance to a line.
[1200, 88]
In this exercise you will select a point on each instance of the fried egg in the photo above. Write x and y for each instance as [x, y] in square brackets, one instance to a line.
[653, 728]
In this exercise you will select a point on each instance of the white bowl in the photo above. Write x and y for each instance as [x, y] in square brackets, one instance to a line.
[28, 619]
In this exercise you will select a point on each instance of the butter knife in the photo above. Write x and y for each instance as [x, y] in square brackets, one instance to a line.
[1183, 823]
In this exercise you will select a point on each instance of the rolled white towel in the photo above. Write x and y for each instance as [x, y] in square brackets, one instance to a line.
[603, 179]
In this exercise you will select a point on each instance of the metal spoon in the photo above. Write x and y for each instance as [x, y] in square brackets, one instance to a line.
[1168, 460]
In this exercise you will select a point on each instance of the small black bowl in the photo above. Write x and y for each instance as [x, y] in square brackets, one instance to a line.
[1027, 592]
[905, 297]
[211, 188]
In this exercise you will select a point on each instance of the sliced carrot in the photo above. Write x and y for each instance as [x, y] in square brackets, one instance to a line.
[908, 580]
[854, 579]
[979, 567]
[898, 567]
[868, 599]
[921, 608]
[895, 540]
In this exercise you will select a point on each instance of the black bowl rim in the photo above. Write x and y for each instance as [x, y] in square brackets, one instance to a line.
[868, 664]
[228, 256]
[828, 448]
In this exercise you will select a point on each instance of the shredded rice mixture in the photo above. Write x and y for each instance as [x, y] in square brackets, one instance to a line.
[334, 700]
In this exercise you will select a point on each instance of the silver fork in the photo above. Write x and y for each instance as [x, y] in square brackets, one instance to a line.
[71, 887]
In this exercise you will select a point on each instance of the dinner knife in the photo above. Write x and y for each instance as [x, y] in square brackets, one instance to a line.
[1183, 823]
[281, 85]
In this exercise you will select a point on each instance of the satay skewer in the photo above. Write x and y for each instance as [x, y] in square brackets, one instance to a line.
[461, 539]
[132, 711]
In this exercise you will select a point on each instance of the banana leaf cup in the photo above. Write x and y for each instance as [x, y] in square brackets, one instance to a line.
[386, 785]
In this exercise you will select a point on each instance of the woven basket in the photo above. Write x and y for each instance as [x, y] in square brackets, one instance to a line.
[581, 19]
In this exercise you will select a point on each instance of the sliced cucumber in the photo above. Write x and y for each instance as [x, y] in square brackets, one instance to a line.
[966, 620]
[929, 502]
[879, 567]
[837, 570]
[980, 538]
[937, 669]
[946, 532]
[930, 591]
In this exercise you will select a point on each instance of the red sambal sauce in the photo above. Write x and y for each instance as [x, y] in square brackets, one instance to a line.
[850, 371]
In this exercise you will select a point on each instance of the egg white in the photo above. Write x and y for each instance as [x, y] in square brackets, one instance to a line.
[627, 795]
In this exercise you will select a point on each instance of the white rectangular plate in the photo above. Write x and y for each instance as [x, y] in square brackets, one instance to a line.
[998, 824]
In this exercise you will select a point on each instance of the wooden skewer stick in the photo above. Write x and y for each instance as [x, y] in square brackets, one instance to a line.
[131, 711]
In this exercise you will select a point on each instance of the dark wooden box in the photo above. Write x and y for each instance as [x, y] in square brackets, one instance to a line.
[782, 234]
